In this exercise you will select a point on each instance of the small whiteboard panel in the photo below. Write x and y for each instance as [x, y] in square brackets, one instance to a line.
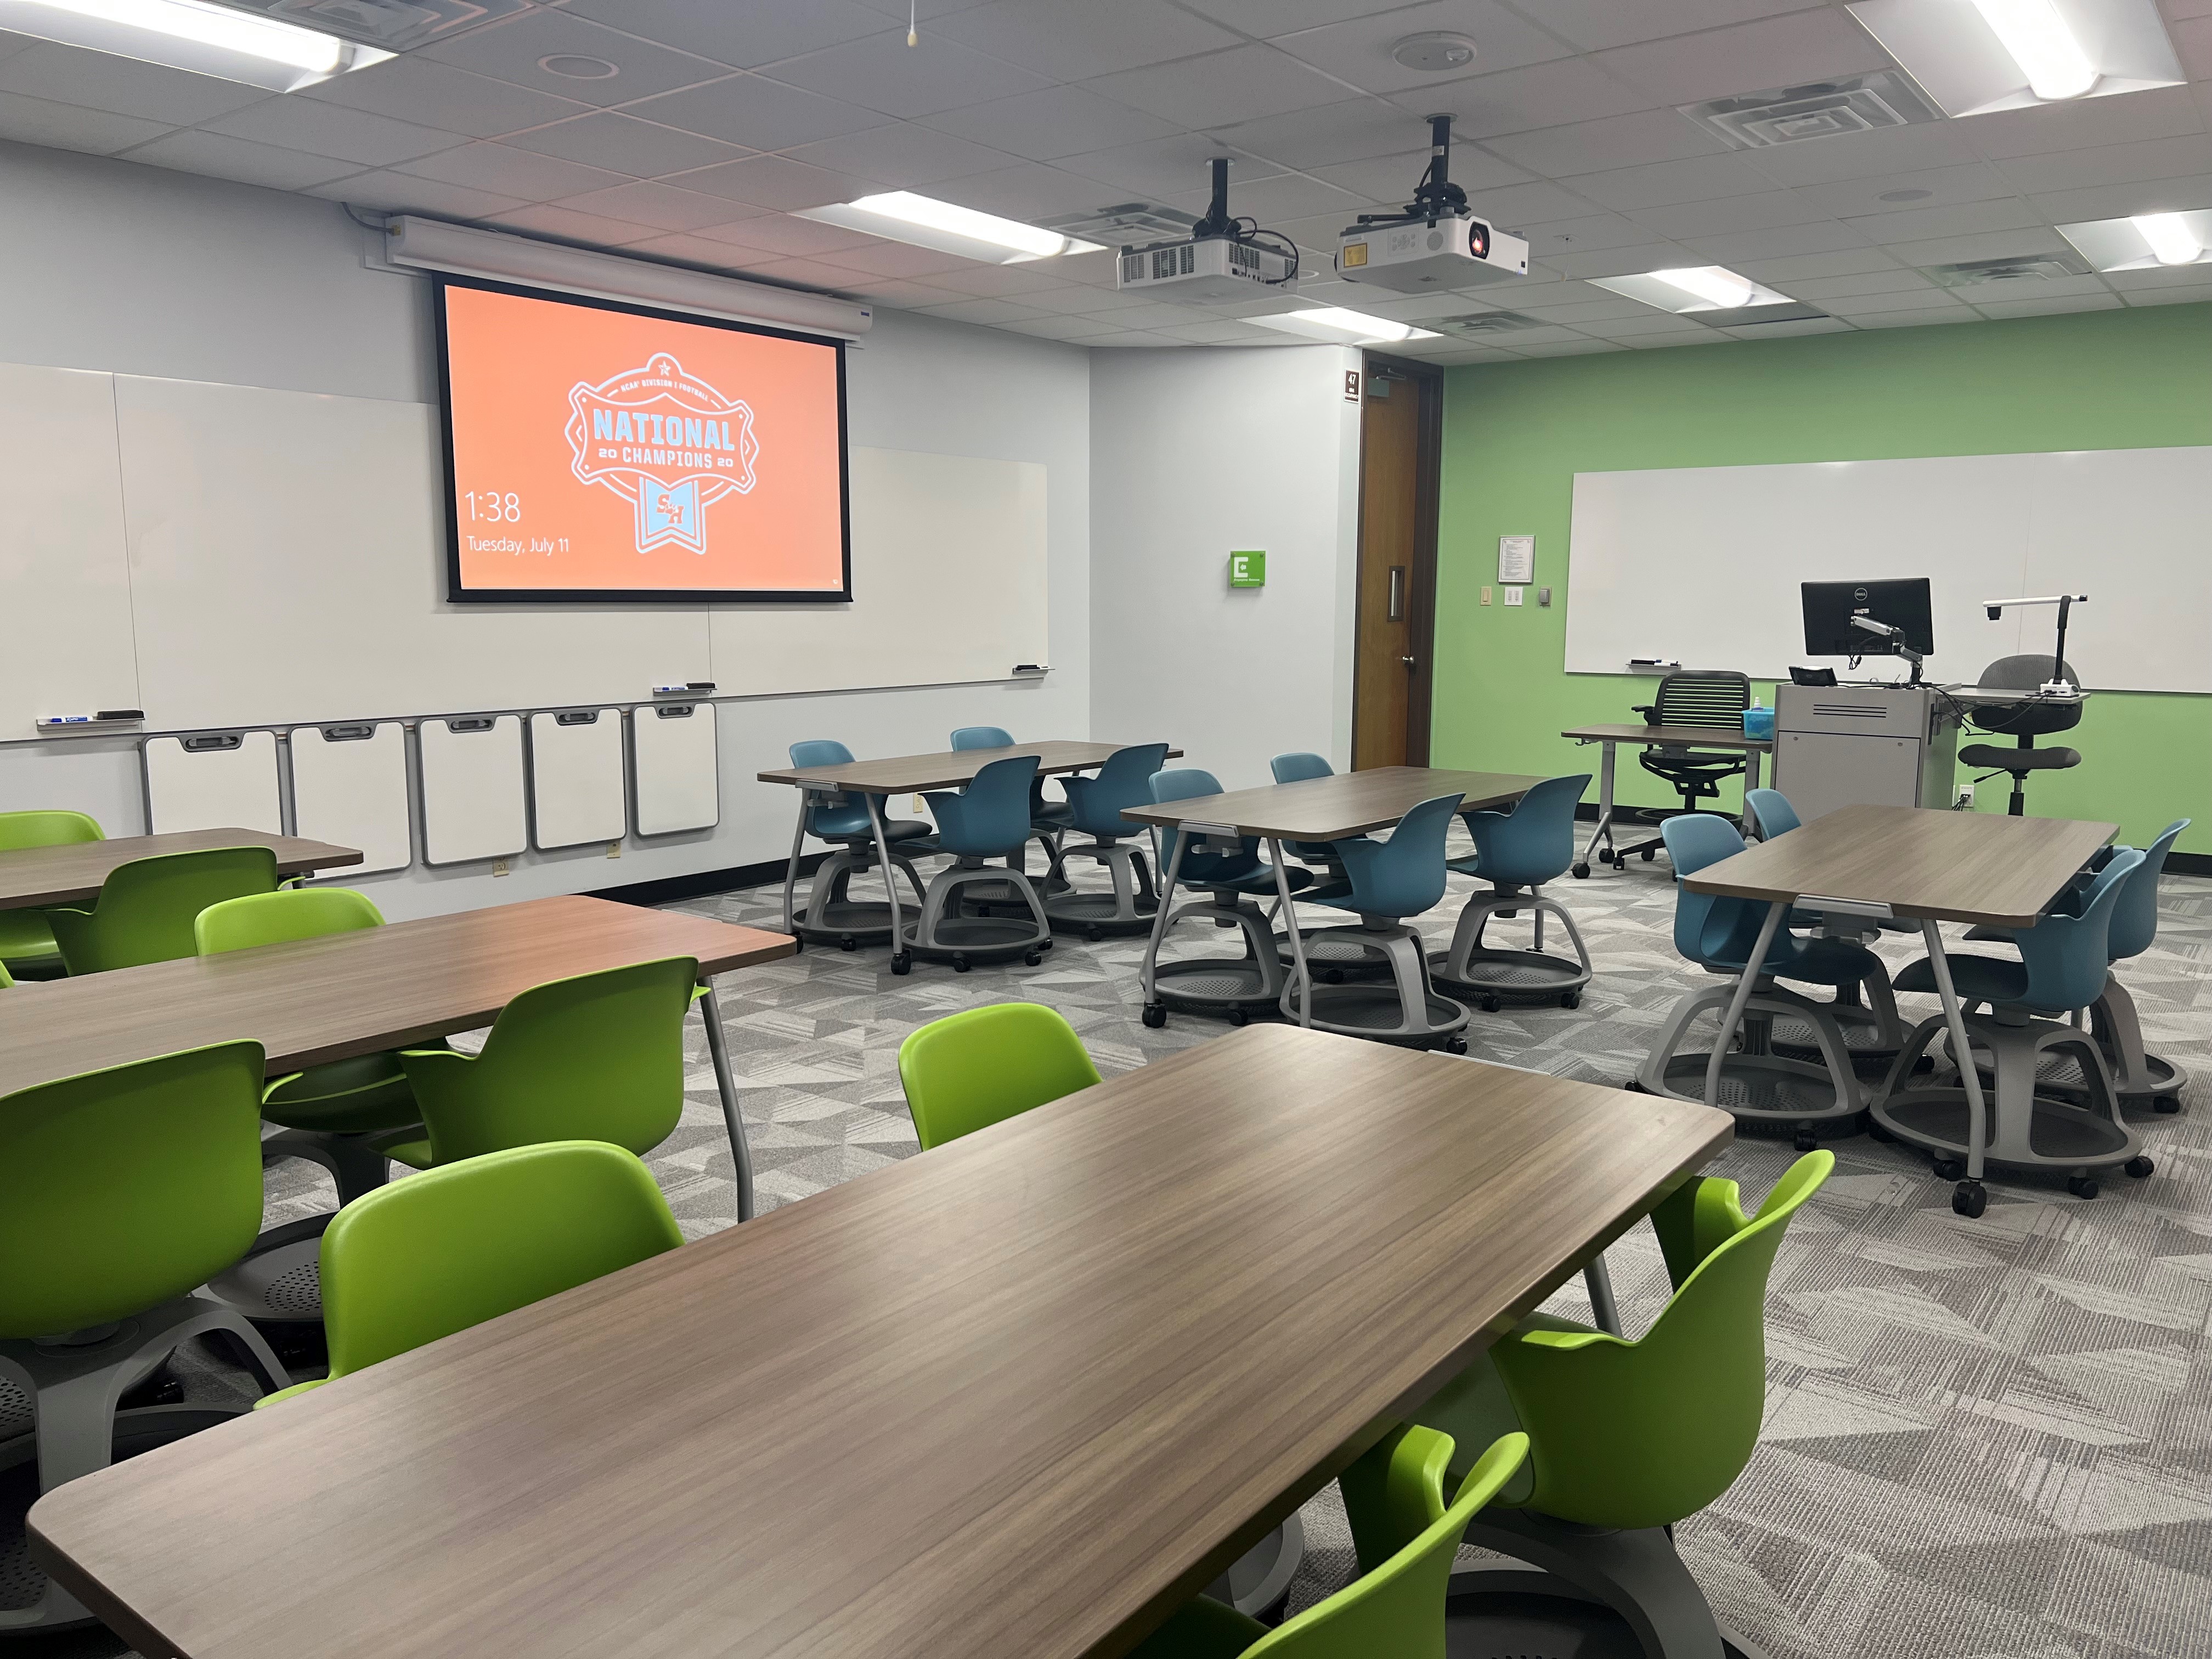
[349, 787]
[576, 777]
[472, 774]
[674, 768]
[216, 780]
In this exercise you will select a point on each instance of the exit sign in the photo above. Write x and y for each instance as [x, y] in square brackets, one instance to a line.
[1247, 569]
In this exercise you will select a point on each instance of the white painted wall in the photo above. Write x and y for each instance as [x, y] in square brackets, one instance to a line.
[144, 271]
[1195, 454]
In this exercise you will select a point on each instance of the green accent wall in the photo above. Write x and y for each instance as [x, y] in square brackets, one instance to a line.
[1515, 435]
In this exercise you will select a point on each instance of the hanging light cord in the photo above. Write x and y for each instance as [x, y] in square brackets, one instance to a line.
[912, 39]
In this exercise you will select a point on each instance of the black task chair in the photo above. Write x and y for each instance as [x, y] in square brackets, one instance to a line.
[2025, 721]
[1715, 698]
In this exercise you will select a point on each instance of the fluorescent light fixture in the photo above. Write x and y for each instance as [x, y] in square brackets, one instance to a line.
[191, 34]
[1976, 55]
[1337, 325]
[925, 221]
[1693, 289]
[2146, 242]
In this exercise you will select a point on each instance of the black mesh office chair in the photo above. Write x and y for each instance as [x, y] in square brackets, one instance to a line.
[2025, 721]
[1715, 698]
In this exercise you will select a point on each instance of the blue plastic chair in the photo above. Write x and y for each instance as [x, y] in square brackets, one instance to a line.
[1230, 877]
[2136, 1073]
[1517, 852]
[1296, 768]
[2064, 965]
[982, 737]
[830, 914]
[1771, 813]
[1049, 820]
[1717, 934]
[1384, 882]
[1335, 951]
[988, 819]
[1095, 807]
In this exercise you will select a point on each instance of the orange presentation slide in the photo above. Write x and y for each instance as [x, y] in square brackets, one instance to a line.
[607, 452]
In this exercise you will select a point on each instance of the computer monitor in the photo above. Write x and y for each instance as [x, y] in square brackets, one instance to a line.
[1902, 602]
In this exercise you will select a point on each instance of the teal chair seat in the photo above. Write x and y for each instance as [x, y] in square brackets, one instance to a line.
[1976, 979]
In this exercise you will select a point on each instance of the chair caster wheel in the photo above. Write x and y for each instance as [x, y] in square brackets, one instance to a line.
[902, 962]
[2082, 1186]
[1571, 999]
[1455, 1043]
[1875, 1132]
[960, 963]
[1970, 1199]
[848, 942]
[1094, 934]
[1806, 1141]
[1950, 1168]
[2139, 1167]
[1580, 872]
[1239, 1017]
[1607, 855]
[2166, 1104]
[1156, 1015]
[1490, 1004]
[1033, 958]
[1646, 855]
[1044, 944]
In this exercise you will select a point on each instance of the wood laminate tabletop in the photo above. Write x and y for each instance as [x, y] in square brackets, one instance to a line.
[903, 773]
[1017, 1397]
[73, 874]
[1344, 803]
[1952, 866]
[1669, 737]
[350, 993]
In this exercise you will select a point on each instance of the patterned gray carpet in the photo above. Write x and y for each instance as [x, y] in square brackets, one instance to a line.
[1985, 1437]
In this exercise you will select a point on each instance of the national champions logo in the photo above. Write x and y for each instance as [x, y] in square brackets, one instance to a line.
[666, 442]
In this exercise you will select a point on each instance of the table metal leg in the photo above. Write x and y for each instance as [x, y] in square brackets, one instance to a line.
[1962, 1051]
[1751, 758]
[741, 1151]
[1734, 1018]
[791, 869]
[890, 882]
[1605, 1312]
[1160, 916]
[1602, 831]
[1301, 980]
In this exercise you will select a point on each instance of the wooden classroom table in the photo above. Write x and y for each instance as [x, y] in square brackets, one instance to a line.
[1022, 1395]
[1911, 863]
[904, 775]
[72, 874]
[315, 1000]
[1670, 736]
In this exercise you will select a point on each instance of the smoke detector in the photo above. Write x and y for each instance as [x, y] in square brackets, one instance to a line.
[1790, 115]
[1435, 52]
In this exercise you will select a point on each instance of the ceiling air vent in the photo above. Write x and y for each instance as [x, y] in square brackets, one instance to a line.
[1479, 322]
[1753, 316]
[2023, 271]
[1126, 224]
[394, 25]
[1790, 115]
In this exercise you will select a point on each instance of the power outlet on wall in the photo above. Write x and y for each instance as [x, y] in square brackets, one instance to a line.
[614, 849]
[499, 866]
[1965, 803]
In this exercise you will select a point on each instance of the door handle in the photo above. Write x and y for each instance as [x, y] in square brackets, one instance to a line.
[1408, 661]
[1397, 593]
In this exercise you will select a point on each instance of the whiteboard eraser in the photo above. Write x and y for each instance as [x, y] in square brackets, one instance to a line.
[1032, 668]
[687, 689]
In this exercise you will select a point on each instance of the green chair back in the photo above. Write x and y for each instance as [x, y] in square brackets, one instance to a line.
[442, 1251]
[26, 936]
[970, 1070]
[123, 1188]
[279, 918]
[598, 1057]
[147, 908]
[1643, 1433]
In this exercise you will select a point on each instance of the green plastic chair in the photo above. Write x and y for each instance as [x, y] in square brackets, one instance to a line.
[326, 1110]
[1628, 1438]
[470, 1241]
[26, 938]
[597, 1057]
[121, 1191]
[147, 908]
[1395, 1608]
[970, 1070]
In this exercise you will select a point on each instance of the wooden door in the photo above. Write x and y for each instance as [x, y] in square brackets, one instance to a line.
[1400, 430]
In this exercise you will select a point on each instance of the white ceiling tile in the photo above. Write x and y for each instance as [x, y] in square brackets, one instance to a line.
[1359, 129]
[1060, 328]
[904, 156]
[2170, 296]
[1222, 87]
[71, 126]
[1703, 337]
[2161, 112]
[1021, 282]
[985, 311]
[524, 175]
[1647, 321]
[400, 193]
[1098, 268]
[1687, 221]
[1620, 140]
[1581, 346]
[2159, 276]
[1078, 301]
[1137, 339]
[1271, 17]
[1818, 288]
[743, 36]
[1789, 51]
[1160, 166]
[1211, 331]
[347, 134]
[1865, 304]
[1551, 94]
[2192, 41]
[663, 207]
[1028, 190]
[1843, 262]
[1986, 245]
[1790, 330]
[434, 94]
[775, 181]
[1532, 204]
[1360, 51]
[1998, 310]
[2046, 288]
[882, 73]
[900, 259]
[1914, 318]
[1076, 40]
[698, 251]
[906, 296]
[1821, 238]
[1150, 314]
[2106, 164]
[623, 144]
[1661, 183]
[1867, 155]
[1392, 177]
[122, 86]
[757, 112]
[1577, 313]
[544, 219]
[1287, 196]
[1934, 187]
[12, 44]
[1044, 126]
[515, 49]
[1585, 234]
[1594, 25]
[2184, 195]
[785, 237]
[1619, 261]
[219, 157]
[1918, 224]
[808, 273]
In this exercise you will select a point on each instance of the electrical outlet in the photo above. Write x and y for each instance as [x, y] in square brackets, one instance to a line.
[499, 866]
[1486, 596]
[1513, 595]
[1965, 803]
[920, 807]
[614, 849]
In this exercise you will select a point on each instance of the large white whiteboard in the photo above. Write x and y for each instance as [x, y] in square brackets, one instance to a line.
[1701, 565]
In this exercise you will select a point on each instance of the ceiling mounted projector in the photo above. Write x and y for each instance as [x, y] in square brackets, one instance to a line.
[1222, 260]
[1436, 243]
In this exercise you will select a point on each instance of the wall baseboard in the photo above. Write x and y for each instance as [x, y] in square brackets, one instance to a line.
[704, 884]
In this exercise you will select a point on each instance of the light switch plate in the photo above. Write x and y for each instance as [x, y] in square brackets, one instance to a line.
[1486, 596]
[1513, 595]
[1544, 596]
